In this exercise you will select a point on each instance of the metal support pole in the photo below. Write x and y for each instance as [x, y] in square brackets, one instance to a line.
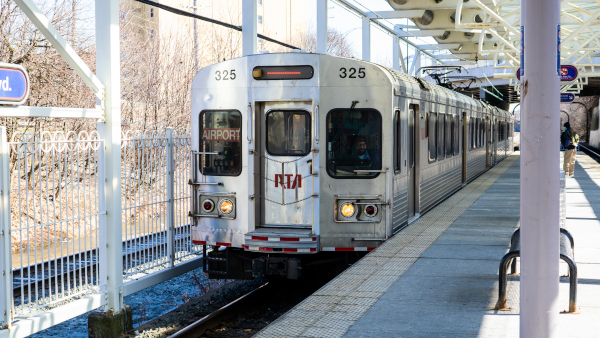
[62, 47]
[249, 23]
[540, 180]
[322, 26]
[366, 39]
[5, 249]
[396, 53]
[195, 40]
[415, 64]
[108, 70]
[170, 199]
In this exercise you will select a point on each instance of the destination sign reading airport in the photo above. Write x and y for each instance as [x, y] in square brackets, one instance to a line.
[14, 84]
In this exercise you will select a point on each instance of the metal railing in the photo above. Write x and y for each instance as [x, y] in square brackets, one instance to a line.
[156, 228]
[54, 218]
[51, 204]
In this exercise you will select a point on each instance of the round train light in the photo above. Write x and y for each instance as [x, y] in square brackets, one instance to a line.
[347, 209]
[208, 205]
[226, 206]
[370, 210]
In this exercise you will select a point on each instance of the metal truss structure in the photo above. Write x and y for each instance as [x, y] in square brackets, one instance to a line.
[491, 30]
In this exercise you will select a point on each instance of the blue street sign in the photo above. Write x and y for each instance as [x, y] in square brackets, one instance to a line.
[14, 84]
[567, 97]
[568, 73]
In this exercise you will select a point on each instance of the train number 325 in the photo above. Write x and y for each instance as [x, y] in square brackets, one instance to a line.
[351, 73]
[226, 75]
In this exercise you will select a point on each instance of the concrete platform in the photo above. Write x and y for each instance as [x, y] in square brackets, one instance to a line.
[422, 283]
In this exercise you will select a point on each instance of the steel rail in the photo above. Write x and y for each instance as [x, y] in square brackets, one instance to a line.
[590, 151]
[200, 326]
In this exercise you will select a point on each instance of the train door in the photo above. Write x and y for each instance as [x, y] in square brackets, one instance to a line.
[285, 164]
[413, 141]
[465, 133]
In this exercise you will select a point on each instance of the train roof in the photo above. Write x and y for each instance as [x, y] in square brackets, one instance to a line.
[404, 84]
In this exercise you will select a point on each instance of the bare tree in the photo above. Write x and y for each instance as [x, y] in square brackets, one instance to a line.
[338, 43]
[579, 114]
[53, 82]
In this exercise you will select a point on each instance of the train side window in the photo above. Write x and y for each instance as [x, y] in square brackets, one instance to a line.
[449, 132]
[475, 133]
[353, 143]
[481, 130]
[470, 137]
[440, 136]
[288, 133]
[595, 124]
[432, 134]
[499, 131]
[397, 143]
[477, 128]
[221, 132]
[455, 134]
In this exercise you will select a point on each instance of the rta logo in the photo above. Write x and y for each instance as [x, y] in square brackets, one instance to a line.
[297, 182]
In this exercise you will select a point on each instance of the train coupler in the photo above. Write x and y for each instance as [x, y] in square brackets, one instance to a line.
[286, 267]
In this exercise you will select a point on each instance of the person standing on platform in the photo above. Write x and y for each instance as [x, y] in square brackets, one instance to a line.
[569, 140]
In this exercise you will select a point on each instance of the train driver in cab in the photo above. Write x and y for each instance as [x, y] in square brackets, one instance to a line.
[361, 152]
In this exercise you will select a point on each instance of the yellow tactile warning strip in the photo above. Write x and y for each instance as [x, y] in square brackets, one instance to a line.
[334, 308]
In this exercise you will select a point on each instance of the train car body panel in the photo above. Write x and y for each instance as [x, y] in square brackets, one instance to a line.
[337, 161]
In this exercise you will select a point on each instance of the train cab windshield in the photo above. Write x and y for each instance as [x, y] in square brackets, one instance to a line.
[353, 143]
[220, 142]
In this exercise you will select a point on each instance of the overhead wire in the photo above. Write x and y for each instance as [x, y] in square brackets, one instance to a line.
[211, 20]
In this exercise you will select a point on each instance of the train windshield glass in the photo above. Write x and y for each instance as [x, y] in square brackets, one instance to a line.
[288, 133]
[353, 143]
[220, 141]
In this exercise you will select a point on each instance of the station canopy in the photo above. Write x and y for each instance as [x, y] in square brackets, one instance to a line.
[478, 30]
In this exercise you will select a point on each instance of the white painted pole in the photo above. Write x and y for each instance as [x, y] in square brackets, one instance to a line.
[322, 26]
[540, 172]
[415, 64]
[396, 53]
[108, 70]
[366, 39]
[5, 239]
[249, 25]
[170, 199]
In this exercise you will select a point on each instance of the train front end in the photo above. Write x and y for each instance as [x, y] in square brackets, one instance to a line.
[260, 128]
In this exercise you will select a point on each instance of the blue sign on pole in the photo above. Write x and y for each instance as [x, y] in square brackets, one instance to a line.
[568, 73]
[567, 97]
[521, 70]
[14, 84]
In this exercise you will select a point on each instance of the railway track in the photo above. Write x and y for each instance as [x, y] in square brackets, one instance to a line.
[197, 328]
[593, 153]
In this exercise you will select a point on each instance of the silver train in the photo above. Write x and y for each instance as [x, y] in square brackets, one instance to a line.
[302, 159]
[594, 140]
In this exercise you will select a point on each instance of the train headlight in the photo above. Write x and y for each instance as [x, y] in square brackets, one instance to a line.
[347, 209]
[226, 206]
[208, 205]
[370, 210]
